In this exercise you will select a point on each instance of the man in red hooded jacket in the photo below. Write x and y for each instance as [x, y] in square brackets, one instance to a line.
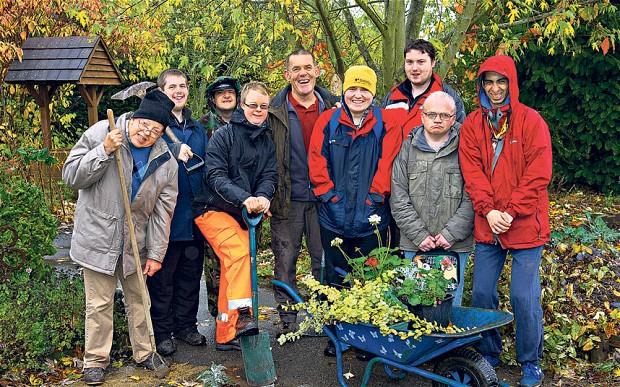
[505, 156]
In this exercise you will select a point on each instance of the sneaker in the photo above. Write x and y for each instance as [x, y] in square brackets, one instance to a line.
[154, 362]
[166, 347]
[191, 336]
[93, 376]
[532, 375]
[232, 345]
[493, 360]
[246, 325]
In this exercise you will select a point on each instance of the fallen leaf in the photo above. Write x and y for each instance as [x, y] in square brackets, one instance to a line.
[348, 375]
[458, 8]
[605, 46]
[134, 378]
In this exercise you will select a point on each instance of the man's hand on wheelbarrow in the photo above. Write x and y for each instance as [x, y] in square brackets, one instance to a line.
[151, 267]
[255, 205]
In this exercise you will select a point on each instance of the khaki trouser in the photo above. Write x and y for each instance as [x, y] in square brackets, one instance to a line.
[99, 289]
[232, 245]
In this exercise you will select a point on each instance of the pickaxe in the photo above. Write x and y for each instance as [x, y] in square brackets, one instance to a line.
[139, 90]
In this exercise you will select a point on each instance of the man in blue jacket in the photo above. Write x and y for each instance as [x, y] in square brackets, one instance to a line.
[175, 288]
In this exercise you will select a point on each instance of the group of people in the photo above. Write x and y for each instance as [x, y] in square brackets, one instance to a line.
[319, 166]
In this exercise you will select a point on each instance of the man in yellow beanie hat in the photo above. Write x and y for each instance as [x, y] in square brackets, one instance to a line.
[350, 159]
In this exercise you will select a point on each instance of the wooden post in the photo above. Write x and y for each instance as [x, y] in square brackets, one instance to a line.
[43, 96]
[92, 96]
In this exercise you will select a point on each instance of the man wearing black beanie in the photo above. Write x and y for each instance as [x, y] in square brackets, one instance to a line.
[100, 243]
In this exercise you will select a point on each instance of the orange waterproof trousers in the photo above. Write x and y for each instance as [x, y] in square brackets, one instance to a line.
[231, 244]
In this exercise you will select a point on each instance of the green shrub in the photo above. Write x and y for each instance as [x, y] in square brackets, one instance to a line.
[578, 97]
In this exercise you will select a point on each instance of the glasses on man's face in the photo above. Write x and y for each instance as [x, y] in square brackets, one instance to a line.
[152, 131]
[442, 116]
[254, 106]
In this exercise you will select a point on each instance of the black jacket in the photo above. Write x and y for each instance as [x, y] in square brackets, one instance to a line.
[240, 162]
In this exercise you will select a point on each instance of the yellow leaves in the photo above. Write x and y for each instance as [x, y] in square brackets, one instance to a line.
[543, 6]
[35, 380]
[82, 17]
[66, 361]
[134, 378]
[617, 372]
[588, 345]
[569, 290]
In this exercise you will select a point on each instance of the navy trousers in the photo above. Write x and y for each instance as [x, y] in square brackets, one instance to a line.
[524, 297]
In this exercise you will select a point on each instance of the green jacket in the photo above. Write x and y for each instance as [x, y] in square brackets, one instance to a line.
[279, 124]
[428, 195]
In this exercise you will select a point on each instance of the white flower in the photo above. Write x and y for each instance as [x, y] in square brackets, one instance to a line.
[374, 219]
[28, 270]
[336, 242]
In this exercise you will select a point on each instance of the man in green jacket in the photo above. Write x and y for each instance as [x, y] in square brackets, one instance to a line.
[428, 201]
[292, 115]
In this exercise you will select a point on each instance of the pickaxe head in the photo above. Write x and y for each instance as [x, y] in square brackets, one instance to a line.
[137, 90]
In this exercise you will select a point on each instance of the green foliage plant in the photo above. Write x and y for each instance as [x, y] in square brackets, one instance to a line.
[423, 286]
[578, 97]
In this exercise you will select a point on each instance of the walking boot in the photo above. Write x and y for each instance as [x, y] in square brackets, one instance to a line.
[246, 325]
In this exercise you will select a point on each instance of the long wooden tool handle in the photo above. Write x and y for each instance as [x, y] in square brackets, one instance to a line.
[146, 301]
[172, 136]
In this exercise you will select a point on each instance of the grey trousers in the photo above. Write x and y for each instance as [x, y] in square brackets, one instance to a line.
[286, 237]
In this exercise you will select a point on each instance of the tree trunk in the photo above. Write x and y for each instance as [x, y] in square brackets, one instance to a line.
[393, 43]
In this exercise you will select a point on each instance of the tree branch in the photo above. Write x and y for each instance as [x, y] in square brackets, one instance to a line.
[331, 37]
[458, 36]
[414, 20]
[370, 12]
[361, 45]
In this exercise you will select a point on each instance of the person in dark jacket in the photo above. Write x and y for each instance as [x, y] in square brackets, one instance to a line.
[292, 116]
[505, 155]
[350, 158]
[420, 83]
[175, 289]
[240, 172]
[222, 98]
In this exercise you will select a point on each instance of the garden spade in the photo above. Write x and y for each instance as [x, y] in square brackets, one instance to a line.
[163, 369]
[256, 349]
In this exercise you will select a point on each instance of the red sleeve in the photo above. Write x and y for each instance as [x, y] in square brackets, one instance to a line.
[477, 183]
[317, 157]
[392, 141]
[538, 166]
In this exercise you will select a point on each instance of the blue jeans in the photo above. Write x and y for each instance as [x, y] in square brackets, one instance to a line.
[462, 264]
[524, 297]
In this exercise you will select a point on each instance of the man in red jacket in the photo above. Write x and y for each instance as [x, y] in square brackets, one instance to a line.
[505, 156]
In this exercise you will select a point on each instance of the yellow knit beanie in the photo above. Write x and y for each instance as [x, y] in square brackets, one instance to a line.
[360, 76]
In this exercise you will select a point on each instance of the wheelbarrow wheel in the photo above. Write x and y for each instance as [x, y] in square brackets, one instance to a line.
[466, 366]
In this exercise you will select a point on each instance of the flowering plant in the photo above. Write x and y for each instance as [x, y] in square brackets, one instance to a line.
[379, 261]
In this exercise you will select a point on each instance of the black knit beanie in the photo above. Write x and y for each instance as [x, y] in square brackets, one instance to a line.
[155, 106]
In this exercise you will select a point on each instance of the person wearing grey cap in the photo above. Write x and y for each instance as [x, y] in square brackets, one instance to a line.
[100, 242]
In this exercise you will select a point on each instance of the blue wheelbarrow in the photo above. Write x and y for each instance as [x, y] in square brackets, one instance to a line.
[456, 364]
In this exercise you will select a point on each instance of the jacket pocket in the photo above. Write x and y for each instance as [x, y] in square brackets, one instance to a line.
[332, 211]
[98, 230]
[417, 178]
[453, 183]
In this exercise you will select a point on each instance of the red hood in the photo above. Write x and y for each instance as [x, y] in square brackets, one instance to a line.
[504, 65]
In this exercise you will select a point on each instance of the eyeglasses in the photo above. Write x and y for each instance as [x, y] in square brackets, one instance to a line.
[254, 106]
[442, 116]
[152, 132]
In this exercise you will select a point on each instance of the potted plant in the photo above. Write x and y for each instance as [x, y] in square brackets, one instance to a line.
[424, 289]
